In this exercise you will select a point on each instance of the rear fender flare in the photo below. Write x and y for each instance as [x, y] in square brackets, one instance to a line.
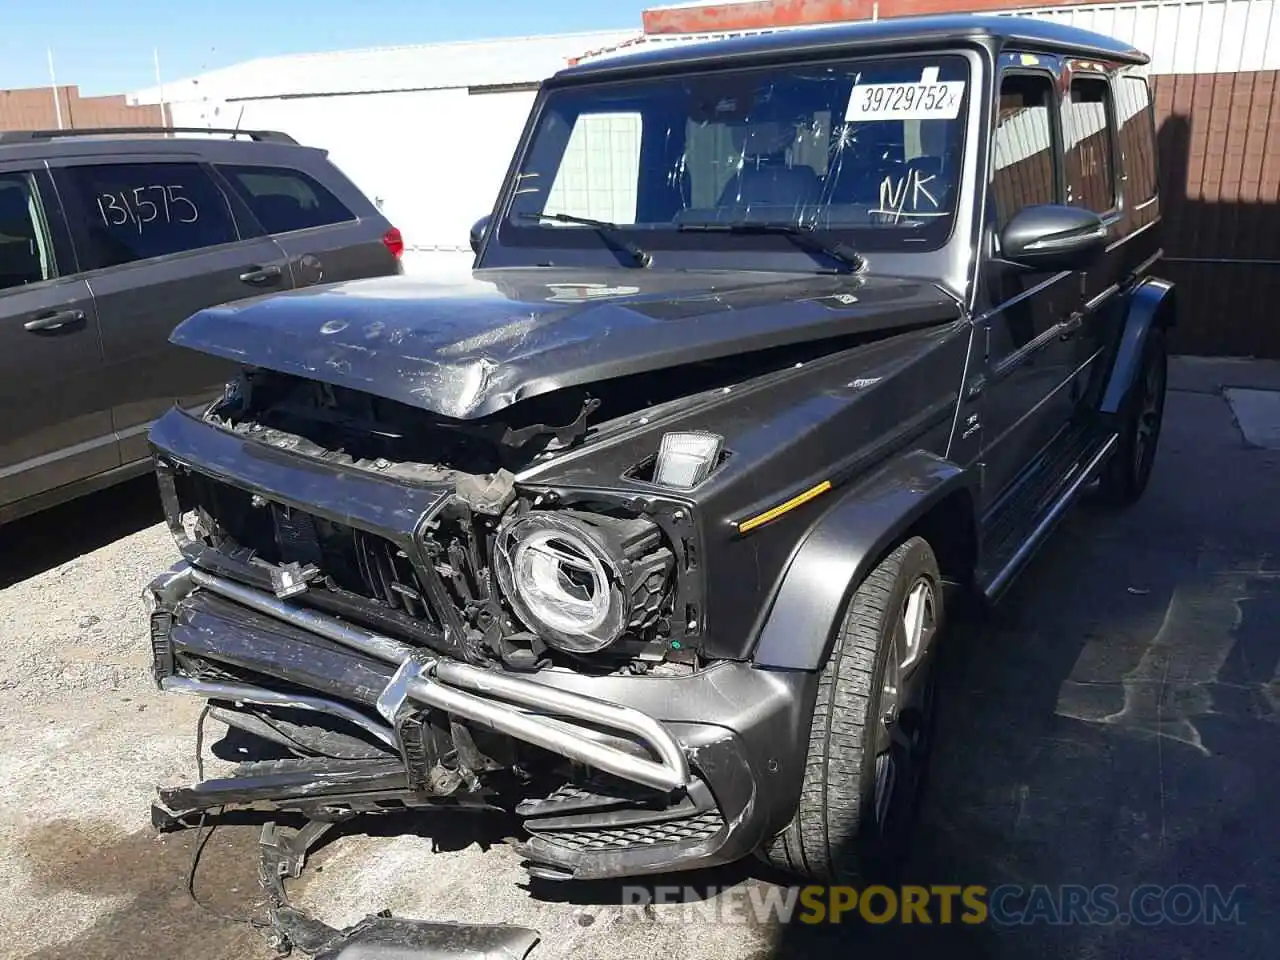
[841, 548]
[1152, 304]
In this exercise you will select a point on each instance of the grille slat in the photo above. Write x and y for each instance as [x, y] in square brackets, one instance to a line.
[702, 826]
[350, 560]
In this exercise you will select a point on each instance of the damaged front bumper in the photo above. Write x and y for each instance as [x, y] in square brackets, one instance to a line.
[611, 775]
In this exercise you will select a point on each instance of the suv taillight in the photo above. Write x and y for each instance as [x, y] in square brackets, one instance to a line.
[394, 242]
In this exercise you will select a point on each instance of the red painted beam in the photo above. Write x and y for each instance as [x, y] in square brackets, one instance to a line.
[755, 14]
[760, 14]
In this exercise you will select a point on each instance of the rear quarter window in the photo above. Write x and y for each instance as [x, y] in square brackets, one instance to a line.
[285, 200]
[1137, 138]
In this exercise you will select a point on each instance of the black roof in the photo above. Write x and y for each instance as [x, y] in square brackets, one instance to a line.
[1028, 33]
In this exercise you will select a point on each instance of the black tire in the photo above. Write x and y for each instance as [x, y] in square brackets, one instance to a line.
[835, 834]
[1128, 471]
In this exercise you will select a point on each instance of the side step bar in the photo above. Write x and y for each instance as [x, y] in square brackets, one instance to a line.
[519, 707]
[1048, 520]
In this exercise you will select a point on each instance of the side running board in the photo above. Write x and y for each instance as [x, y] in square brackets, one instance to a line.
[1086, 469]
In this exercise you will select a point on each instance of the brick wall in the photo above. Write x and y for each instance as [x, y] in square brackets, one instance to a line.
[33, 109]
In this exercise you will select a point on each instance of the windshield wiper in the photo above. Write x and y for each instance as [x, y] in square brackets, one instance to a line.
[803, 236]
[611, 232]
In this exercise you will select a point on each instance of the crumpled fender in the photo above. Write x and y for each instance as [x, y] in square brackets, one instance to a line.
[841, 549]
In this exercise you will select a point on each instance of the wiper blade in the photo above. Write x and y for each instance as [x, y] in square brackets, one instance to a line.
[611, 232]
[803, 236]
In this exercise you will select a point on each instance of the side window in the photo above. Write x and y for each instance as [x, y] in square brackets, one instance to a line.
[284, 199]
[1137, 138]
[1086, 137]
[136, 211]
[26, 255]
[1025, 173]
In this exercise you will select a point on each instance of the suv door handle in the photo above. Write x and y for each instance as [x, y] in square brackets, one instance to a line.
[54, 320]
[1071, 326]
[258, 275]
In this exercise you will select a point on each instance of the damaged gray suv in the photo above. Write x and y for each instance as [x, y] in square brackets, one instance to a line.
[644, 531]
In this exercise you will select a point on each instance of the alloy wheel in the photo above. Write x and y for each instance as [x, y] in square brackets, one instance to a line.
[905, 706]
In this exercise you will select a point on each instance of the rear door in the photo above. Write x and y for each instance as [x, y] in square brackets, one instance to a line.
[55, 403]
[328, 234]
[160, 240]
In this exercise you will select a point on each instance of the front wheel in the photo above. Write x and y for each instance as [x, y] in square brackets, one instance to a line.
[871, 726]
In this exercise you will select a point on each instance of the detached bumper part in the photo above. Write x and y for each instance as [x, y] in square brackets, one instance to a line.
[377, 937]
[699, 787]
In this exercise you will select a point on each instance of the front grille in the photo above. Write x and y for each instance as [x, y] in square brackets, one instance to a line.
[161, 627]
[353, 561]
[702, 826]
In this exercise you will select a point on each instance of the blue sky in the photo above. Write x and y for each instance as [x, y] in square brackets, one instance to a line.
[106, 46]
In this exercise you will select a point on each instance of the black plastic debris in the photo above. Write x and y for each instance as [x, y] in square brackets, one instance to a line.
[376, 937]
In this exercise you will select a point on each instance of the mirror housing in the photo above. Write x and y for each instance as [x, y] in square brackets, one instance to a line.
[478, 231]
[1053, 237]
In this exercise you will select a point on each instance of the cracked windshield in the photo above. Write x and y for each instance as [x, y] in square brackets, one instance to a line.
[871, 146]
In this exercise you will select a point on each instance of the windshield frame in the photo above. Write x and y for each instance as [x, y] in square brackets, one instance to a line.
[507, 244]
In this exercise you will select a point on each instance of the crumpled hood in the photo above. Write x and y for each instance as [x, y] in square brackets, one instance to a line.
[468, 347]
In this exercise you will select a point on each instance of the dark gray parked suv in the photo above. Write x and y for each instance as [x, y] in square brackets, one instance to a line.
[108, 239]
[647, 530]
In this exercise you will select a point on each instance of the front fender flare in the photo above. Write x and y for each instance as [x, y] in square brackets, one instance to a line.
[1152, 304]
[841, 548]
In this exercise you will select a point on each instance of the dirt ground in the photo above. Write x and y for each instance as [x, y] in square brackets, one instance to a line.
[1115, 722]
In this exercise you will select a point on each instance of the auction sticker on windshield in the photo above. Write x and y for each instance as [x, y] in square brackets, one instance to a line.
[928, 99]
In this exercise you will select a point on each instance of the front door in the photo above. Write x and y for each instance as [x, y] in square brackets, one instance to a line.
[1027, 393]
[55, 406]
[160, 241]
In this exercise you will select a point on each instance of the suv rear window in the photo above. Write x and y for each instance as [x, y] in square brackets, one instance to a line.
[136, 211]
[284, 200]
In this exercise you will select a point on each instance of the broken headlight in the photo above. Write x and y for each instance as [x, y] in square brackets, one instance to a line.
[579, 580]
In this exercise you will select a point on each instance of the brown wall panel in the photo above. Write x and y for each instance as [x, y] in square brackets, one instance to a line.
[33, 109]
[1219, 147]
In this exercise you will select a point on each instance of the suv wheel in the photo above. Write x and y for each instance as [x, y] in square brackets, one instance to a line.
[1129, 470]
[871, 726]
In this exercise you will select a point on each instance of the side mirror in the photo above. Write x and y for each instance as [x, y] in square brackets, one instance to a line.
[478, 230]
[1053, 237]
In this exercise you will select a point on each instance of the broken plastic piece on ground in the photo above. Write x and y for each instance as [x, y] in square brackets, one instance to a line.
[394, 938]
[379, 936]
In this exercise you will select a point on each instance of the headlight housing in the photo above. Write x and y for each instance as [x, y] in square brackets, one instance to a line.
[578, 580]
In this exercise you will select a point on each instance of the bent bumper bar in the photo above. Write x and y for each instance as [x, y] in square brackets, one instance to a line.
[247, 693]
[525, 709]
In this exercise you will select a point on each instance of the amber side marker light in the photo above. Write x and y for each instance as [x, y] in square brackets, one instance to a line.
[773, 513]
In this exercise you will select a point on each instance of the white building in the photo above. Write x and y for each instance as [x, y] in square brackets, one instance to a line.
[425, 131]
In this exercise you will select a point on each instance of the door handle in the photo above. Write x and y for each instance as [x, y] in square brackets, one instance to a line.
[55, 320]
[258, 275]
[1071, 326]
